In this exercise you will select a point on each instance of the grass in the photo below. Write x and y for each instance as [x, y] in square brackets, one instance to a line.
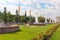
[26, 33]
[56, 35]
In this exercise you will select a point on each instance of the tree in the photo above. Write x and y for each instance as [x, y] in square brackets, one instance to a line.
[41, 19]
[25, 14]
[48, 20]
[17, 17]
[31, 19]
[23, 19]
[9, 18]
[1, 15]
[4, 15]
[13, 18]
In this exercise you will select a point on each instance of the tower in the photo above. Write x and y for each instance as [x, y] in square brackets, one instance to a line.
[17, 13]
[19, 7]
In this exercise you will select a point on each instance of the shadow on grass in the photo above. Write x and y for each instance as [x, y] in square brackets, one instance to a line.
[15, 32]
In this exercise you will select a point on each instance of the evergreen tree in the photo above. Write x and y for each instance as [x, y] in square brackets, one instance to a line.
[4, 19]
[17, 17]
[25, 14]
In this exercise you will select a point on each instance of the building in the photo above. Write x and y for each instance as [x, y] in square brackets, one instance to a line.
[58, 19]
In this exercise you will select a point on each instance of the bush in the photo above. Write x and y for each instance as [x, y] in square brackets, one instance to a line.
[47, 34]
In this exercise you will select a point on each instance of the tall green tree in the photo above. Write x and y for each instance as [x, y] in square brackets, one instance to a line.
[17, 17]
[25, 14]
[1, 16]
[4, 15]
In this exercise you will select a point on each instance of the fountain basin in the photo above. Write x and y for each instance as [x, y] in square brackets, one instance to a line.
[10, 28]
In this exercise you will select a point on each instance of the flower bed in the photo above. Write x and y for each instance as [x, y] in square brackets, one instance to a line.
[47, 34]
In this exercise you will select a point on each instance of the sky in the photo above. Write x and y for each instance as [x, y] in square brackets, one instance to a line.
[46, 8]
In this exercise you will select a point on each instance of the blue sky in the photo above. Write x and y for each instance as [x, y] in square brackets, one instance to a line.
[45, 8]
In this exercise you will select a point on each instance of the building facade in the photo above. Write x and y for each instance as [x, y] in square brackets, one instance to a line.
[58, 19]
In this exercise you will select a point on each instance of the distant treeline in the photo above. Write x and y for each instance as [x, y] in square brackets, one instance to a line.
[8, 17]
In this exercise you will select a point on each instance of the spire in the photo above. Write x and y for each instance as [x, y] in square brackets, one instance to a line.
[30, 12]
[19, 7]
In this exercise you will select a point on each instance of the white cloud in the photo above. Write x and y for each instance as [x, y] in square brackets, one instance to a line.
[34, 5]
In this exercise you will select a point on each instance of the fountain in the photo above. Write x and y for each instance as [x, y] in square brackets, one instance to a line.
[8, 28]
[37, 22]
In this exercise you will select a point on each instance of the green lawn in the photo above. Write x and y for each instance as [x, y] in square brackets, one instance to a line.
[26, 33]
[56, 35]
